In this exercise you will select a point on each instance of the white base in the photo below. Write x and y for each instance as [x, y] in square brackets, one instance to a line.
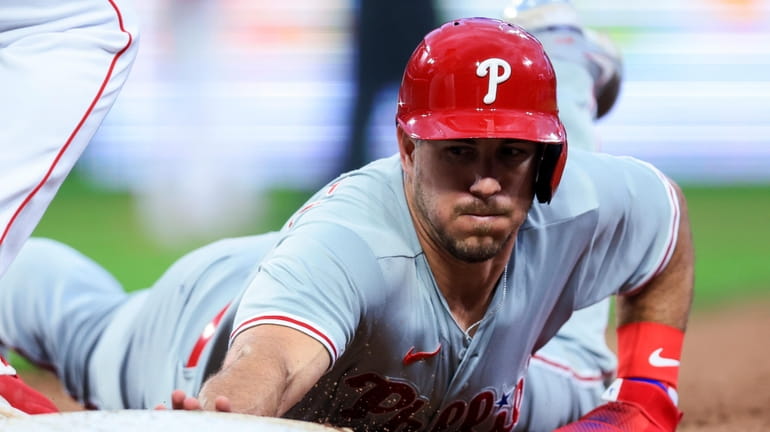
[154, 421]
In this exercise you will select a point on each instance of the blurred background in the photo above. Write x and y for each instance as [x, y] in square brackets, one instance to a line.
[236, 110]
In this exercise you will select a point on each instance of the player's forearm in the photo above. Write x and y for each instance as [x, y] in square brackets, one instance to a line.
[267, 370]
[666, 299]
[250, 390]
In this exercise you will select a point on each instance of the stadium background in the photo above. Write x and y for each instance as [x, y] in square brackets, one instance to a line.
[236, 110]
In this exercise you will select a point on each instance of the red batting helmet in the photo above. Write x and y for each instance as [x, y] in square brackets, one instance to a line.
[485, 78]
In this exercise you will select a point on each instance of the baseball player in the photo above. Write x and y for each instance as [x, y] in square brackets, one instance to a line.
[412, 294]
[62, 65]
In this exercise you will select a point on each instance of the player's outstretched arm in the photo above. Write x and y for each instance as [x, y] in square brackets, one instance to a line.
[667, 298]
[267, 370]
[651, 325]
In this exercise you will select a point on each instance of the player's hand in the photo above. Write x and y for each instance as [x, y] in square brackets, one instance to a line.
[635, 407]
[180, 401]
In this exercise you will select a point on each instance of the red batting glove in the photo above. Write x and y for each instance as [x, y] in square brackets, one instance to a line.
[21, 396]
[634, 406]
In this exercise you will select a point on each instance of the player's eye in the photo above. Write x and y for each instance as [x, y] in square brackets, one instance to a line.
[514, 154]
[460, 151]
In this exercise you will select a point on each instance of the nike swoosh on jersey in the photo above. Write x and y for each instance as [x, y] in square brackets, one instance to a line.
[412, 356]
[658, 361]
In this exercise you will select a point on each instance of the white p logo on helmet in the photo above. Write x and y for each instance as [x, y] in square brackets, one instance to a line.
[498, 70]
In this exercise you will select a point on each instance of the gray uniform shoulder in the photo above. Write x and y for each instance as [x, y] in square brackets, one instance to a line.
[606, 184]
[369, 203]
[339, 260]
[612, 222]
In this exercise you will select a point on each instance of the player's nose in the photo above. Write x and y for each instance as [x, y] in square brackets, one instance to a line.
[485, 186]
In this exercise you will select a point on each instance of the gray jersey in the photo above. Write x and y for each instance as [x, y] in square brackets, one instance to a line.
[349, 272]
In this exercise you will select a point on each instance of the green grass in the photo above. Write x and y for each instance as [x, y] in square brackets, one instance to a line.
[731, 232]
[104, 226]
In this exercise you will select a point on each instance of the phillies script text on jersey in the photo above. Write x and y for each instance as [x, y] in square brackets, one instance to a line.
[381, 396]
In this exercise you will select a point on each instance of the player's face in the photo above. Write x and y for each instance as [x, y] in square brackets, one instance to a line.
[469, 197]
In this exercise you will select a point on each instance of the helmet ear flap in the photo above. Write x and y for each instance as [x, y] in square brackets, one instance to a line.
[552, 160]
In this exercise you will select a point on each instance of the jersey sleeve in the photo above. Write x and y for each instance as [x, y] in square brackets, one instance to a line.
[316, 280]
[636, 230]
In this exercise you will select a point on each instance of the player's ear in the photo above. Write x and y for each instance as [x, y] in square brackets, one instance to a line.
[406, 148]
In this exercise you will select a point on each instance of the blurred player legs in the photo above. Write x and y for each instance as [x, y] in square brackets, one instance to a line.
[116, 350]
[557, 25]
[62, 65]
[55, 318]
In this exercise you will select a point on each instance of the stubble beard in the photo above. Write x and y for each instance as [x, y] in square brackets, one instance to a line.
[462, 249]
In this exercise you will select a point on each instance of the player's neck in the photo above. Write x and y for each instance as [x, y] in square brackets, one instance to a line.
[467, 287]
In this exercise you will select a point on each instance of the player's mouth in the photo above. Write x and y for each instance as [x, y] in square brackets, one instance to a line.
[483, 212]
[484, 223]
[481, 215]
[484, 217]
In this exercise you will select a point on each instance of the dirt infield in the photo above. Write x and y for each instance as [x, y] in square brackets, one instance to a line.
[725, 379]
